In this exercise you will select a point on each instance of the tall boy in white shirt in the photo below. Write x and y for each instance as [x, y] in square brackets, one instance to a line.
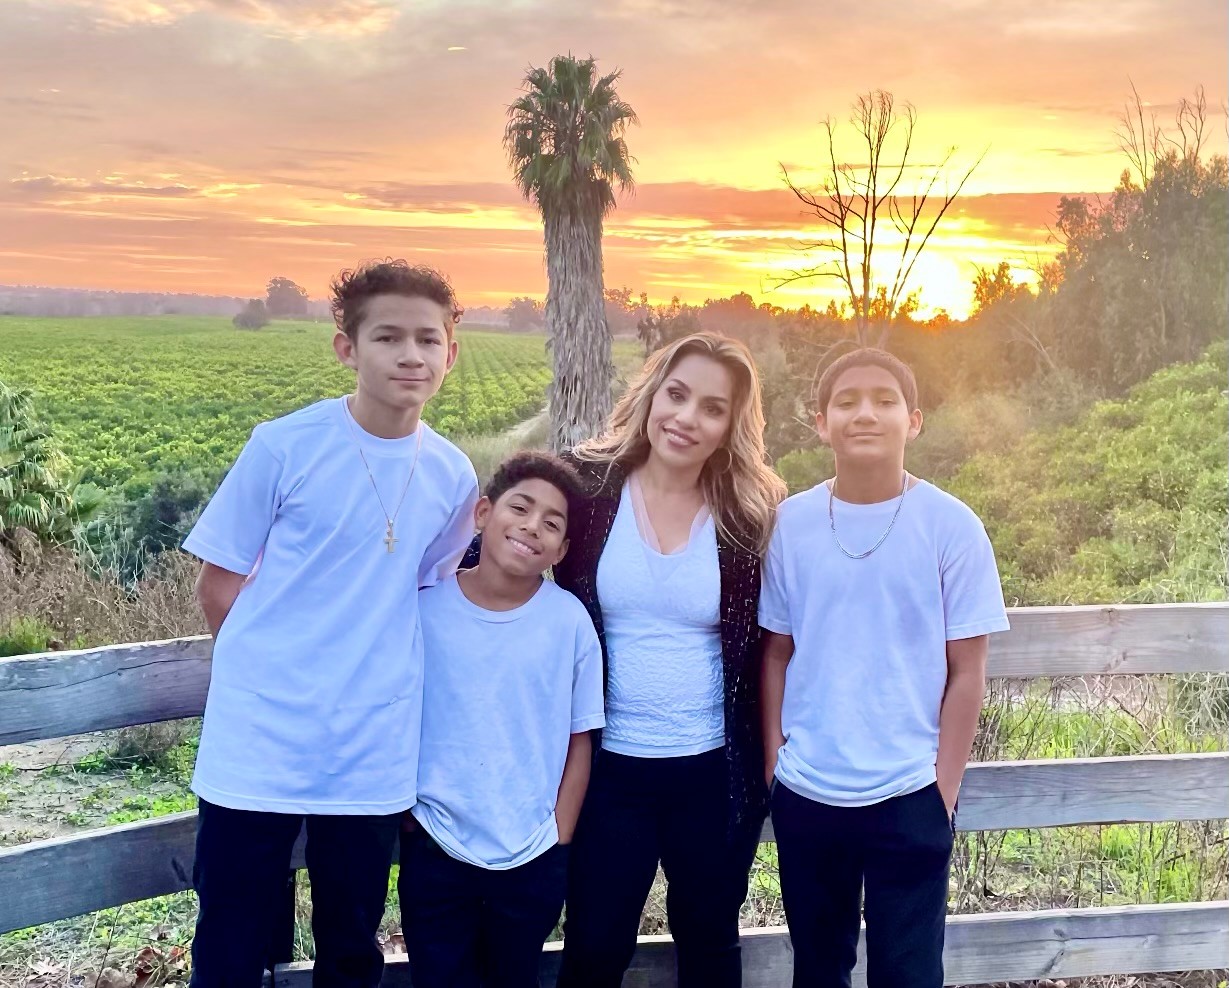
[314, 548]
[880, 592]
[513, 685]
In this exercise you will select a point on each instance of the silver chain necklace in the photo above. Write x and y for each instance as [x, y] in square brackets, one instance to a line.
[904, 486]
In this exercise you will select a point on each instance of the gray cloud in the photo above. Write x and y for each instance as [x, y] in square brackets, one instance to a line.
[442, 198]
[48, 188]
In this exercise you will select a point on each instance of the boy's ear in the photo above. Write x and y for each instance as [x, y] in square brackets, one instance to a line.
[915, 425]
[821, 426]
[563, 551]
[454, 347]
[482, 511]
[343, 346]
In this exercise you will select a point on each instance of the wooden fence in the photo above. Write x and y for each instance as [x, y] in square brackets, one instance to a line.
[65, 693]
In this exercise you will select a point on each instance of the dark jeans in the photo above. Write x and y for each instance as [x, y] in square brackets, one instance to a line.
[470, 927]
[900, 850]
[639, 811]
[242, 858]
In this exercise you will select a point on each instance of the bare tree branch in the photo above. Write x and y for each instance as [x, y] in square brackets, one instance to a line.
[858, 200]
[1138, 139]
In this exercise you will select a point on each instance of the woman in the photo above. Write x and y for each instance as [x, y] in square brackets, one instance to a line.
[665, 554]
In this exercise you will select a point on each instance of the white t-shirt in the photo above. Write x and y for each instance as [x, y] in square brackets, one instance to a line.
[504, 693]
[661, 613]
[316, 692]
[865, 686]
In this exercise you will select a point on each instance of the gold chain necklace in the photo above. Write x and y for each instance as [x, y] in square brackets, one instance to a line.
[390, 539]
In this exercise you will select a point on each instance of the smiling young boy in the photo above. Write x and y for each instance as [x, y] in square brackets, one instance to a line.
[880, 592]
[513, 685]
[314, 547]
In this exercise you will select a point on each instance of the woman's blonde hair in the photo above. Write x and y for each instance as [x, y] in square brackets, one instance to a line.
[743, 497]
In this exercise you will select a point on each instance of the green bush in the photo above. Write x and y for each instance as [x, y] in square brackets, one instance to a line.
[1128, 503]
[26, 636]
[804, 468]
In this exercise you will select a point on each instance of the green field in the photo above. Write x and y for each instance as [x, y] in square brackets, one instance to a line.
[130, 398]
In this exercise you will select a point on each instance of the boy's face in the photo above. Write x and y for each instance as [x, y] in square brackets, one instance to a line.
[524, 533]
[867, 419]
[401, 350]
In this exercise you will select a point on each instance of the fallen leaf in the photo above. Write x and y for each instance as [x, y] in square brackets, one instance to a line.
[148, 962]
[111, 978]
[45, 973]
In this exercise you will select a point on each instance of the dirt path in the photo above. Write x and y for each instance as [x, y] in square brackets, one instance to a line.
[523, 430]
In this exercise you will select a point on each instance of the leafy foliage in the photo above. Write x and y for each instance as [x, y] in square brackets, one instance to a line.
[1128, 503]
[1145, 275]
[285, 300]
[253, 316]
[25, 635]
[37, 491]
[663, 324]
[525, 315]
[565, 141]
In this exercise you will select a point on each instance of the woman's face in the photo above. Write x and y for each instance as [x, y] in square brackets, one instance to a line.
[691, 412]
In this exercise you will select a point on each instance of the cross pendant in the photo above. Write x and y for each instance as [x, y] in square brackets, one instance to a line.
[389, 540]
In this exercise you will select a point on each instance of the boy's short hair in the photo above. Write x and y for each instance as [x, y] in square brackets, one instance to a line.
[866, 357]
[532, 464]
[351, 289]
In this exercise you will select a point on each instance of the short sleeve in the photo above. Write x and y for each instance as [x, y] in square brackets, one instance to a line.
[588, 695]
[233, 528]
[774, 600]
[972, 593]
[445, 551]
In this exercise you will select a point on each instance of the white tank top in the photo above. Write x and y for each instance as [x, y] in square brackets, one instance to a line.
[661, 613]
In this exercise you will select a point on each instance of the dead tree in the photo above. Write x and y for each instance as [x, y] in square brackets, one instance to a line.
[858, 201]
[1143, 141]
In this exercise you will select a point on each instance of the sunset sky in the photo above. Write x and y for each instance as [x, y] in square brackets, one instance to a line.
[207, 145]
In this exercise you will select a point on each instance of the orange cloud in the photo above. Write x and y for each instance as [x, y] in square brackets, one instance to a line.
[291, 18]
[204, 145]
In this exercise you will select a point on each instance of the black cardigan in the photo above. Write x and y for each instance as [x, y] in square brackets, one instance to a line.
[589, 528]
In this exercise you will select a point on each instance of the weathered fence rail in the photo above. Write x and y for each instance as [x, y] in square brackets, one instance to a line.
[59, 694]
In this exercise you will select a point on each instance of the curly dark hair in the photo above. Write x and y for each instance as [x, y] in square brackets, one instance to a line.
[866, 357]
[531, 464]
[351, 289]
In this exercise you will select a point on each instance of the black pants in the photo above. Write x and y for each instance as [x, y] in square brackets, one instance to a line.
[242, 859]
[469, 927]
[900, 850]
[639, 811]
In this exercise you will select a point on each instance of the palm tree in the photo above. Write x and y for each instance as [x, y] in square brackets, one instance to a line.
[36, 491]
[565, 143]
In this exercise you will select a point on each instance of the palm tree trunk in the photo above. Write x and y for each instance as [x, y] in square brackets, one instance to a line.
[580, 397]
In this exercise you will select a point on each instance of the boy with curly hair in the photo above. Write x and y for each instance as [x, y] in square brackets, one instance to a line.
[314, 548]
[513, 687]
